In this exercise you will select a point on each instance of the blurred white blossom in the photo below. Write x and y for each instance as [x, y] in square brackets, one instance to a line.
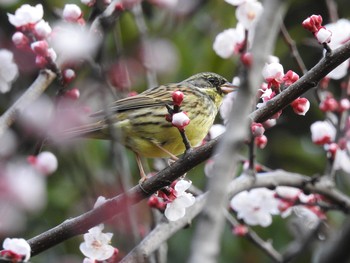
[340, 35]
[8, 70]
[73, 42]
[248, 13]
[322, 132]
[161, 55]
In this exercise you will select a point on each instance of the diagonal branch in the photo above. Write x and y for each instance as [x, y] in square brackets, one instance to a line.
[30, 95]
[114, 206]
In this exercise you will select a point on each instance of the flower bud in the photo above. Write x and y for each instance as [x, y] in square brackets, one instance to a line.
[313, 23]
[40, 47]
[180, 120]
[290, 77]
[301, 106]
[260, 141]
[257, 129]
[177, 97]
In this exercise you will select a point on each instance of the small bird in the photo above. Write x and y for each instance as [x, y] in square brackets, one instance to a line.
[142, 123]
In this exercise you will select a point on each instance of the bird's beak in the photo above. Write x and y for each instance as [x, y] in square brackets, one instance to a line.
[228, 88]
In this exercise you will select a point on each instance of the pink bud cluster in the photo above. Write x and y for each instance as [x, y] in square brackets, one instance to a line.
[178, 118]
[314, 25]
[34, 33]
[258, 130]
[164, 196]
[294, 198]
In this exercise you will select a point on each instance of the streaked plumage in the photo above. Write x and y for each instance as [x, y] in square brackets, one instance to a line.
[141, 118]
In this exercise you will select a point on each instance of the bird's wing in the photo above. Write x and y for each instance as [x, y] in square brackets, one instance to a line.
[159, 96]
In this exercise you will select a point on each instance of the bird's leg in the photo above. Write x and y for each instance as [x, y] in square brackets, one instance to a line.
[172, 156]
[139, 164]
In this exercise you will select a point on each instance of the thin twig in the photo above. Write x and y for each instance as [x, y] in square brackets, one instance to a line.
[265, 246]
[293, 47]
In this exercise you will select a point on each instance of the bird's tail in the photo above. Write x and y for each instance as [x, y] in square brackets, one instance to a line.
[96, 130]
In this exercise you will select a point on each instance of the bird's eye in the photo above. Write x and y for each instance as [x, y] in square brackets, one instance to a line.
[214, 81]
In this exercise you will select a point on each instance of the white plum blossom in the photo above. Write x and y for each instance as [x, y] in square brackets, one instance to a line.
[273, 73]
[228, 41]
[255, 207]
[177, 208]
[8, 70]
[96, 245]
[342, 159]
[226, 106]
[18, 177]
[26, 14]
[18, 246]
[340, 35]
[224, 43]
[248, 13]
[74, 42]
[322, 132]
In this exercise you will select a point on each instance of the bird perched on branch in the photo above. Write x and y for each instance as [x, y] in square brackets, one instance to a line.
[142, 122]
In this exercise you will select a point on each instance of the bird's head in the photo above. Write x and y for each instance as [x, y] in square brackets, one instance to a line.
[211, 82]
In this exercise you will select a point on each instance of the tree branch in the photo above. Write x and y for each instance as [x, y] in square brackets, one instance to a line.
[30, 95]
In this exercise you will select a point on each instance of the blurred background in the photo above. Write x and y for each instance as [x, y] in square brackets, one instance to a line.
[179, 43]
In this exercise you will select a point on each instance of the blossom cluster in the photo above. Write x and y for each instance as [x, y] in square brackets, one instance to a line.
[237, 40]
[257, 206]
[173, 200]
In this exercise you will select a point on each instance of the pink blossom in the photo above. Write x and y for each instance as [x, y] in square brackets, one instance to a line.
[26, 15]
[313, 23]
[273, 74]
[322, 132]
[177, 97]
[20, 40]
[260, 141]
[301, 106]
[329, 104]
[290, 77]
[257, 129]
[40, 47]
[68, 75]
